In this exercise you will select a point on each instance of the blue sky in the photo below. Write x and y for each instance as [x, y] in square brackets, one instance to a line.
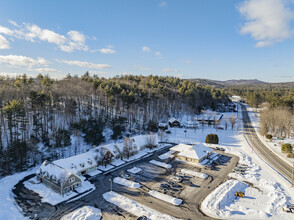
[213, 39]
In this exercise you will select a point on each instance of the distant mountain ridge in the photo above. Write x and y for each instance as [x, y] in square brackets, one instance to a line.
[233, 82]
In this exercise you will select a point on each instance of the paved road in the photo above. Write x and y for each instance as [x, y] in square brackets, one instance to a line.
[270, 157]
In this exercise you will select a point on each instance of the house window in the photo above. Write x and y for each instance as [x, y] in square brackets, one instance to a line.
[71, 180]
[77, 184]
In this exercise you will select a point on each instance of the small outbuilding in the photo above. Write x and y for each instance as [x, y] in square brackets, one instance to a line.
[174, 122]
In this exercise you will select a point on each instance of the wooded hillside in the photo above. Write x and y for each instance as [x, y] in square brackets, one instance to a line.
[40, 116]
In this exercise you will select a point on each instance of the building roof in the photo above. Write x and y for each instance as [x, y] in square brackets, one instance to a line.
[196, 152]
[172, 120]
[162, 124]
[78, 162]
[54, 172]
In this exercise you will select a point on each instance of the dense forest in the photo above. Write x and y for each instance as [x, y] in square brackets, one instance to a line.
[276, 101]
[275, 94]
[42, 118]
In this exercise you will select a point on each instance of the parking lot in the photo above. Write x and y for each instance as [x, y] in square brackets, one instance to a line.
[192, 190]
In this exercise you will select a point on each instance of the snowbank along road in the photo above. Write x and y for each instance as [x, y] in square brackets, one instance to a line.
[264, 152]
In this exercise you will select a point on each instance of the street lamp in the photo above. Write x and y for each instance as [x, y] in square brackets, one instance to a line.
[110, 180]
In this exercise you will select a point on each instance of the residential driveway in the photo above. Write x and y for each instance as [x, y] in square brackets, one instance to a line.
[150, 178]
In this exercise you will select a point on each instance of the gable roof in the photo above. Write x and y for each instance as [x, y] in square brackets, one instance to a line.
[196, 152]
[54, 172]
[172, 120]
[78, 162]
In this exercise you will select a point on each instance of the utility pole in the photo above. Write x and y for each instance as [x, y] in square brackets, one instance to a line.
[292, 175]
[110, 180]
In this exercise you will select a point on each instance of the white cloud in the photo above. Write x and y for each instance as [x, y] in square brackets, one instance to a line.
[162, 4]
[6, 31]
[169, 70]
[76, 36]
[13, 23]
[32, 32]
[4, 43]
[45, 70]
[157, 53]
[16, 60]
[86, 64]
[107, 50]
[267, 21]
[146, 49]
[141, 68]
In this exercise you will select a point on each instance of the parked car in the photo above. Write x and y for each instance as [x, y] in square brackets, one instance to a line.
[162, 190]
[126, 176]
[165, 185]
[220, 148]
[168, 132]
[187, 182]
[142, 218]
[177, 179]
[179, 174]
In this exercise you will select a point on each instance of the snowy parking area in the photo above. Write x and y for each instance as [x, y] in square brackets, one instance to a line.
[84, 213]
[166, 198]
[127, 183]
[134, 170]
[194, 173]
[165, 156]
[160, 164]
[134, 207]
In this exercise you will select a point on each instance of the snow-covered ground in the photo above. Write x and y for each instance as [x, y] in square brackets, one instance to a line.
[105, 168]
[94, 173]
[274, 144]
[134, 170]
[9, 209]
[52, 197]
[160, 164]
[117, 162]
[265, 190]
[166, 198]
[84, 213]
[125, 182]
[194, 173]
[134, 207]
[165, 156]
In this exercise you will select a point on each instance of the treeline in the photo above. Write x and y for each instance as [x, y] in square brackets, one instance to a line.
[277, 122]
[275, 94]
[42, 118]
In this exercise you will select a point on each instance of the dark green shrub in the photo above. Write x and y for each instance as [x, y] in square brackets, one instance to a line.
[152, 126]
[290, 155]
[268, 136]
[286, 148]
[211, 139]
